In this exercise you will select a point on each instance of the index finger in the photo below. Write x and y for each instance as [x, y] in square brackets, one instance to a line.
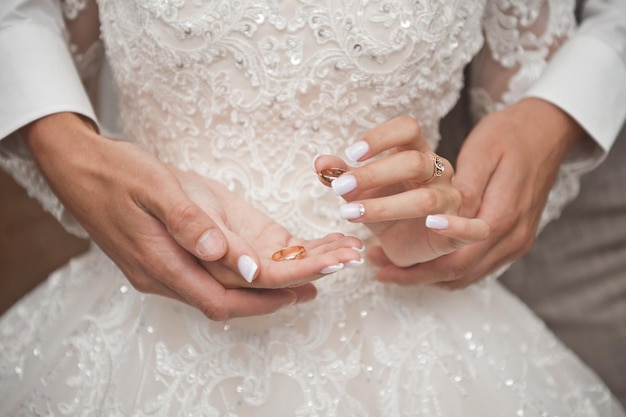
[402, 132]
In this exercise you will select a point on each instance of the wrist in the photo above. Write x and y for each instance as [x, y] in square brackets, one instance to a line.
[58, 139]
[56, 132]
[63, 146]
[558, 131]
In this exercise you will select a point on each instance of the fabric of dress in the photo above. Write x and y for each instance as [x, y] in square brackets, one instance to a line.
[248, 92]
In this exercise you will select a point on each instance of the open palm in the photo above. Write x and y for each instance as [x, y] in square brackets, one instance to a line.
[251, 232]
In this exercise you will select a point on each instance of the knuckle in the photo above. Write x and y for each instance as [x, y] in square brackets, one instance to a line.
[427, 200]
[155, 266]
[522, 240]
[410, 126]
[377, 211]
[458, 271]
[181, 215]
[456, 244]
[368, 174]
[214, 311]
[503, 226]
[141, 283]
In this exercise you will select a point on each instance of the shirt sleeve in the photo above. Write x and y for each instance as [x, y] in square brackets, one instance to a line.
[37, 76]
[587, 77]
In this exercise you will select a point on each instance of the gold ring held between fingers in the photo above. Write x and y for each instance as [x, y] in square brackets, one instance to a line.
[289, 253]
[328, 175]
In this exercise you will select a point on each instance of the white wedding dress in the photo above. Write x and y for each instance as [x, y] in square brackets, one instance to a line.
[248, 92]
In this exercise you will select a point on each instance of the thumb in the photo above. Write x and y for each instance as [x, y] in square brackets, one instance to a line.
[186, 222]
[471, 178]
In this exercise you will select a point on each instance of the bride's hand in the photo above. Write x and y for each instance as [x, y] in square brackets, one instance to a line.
[399, 196]
[253, 237]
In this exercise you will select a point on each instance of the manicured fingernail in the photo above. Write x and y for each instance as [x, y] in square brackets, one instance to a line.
[331, 269]
[357, 150]
[247, 267]
[210, 243]
[352, 211]
[360, 250]
[354, 264]
[344, 184]
[436, 222]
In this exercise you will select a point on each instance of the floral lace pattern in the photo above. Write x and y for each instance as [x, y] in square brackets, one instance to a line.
[248, 92]
[230, 76]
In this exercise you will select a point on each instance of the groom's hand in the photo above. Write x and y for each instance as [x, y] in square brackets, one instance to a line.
[505, 170]
[135, 209]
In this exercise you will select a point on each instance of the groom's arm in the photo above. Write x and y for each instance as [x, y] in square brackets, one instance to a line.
[587, 76]
[581, 93]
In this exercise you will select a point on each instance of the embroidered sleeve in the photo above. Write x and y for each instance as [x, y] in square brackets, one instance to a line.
[520, 37]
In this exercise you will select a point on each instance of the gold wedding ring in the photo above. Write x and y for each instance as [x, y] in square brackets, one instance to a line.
[438, 167]
[328, 175]
[289, 253]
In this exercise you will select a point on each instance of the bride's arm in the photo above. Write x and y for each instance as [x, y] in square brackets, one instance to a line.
[520, 37]
[405, 198]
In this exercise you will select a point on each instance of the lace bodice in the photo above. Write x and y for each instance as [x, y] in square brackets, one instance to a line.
[217, 81]
[248, 92]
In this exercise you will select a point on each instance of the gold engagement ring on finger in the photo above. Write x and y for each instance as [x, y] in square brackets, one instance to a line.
[289, 253]
[438, 167]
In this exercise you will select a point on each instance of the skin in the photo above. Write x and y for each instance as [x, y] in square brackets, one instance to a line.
[520, 149]
[149, 218]
[250, 231]
[398, 191]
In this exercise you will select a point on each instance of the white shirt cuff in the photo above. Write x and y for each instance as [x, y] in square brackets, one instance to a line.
[37, 78]
[587, 79]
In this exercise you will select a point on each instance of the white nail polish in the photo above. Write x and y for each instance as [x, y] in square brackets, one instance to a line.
[354, 264]
[331, 269]
[360, 250]
[352, 211]
[436, 222]
[344, 184]
[357, 150]
[247, 267]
